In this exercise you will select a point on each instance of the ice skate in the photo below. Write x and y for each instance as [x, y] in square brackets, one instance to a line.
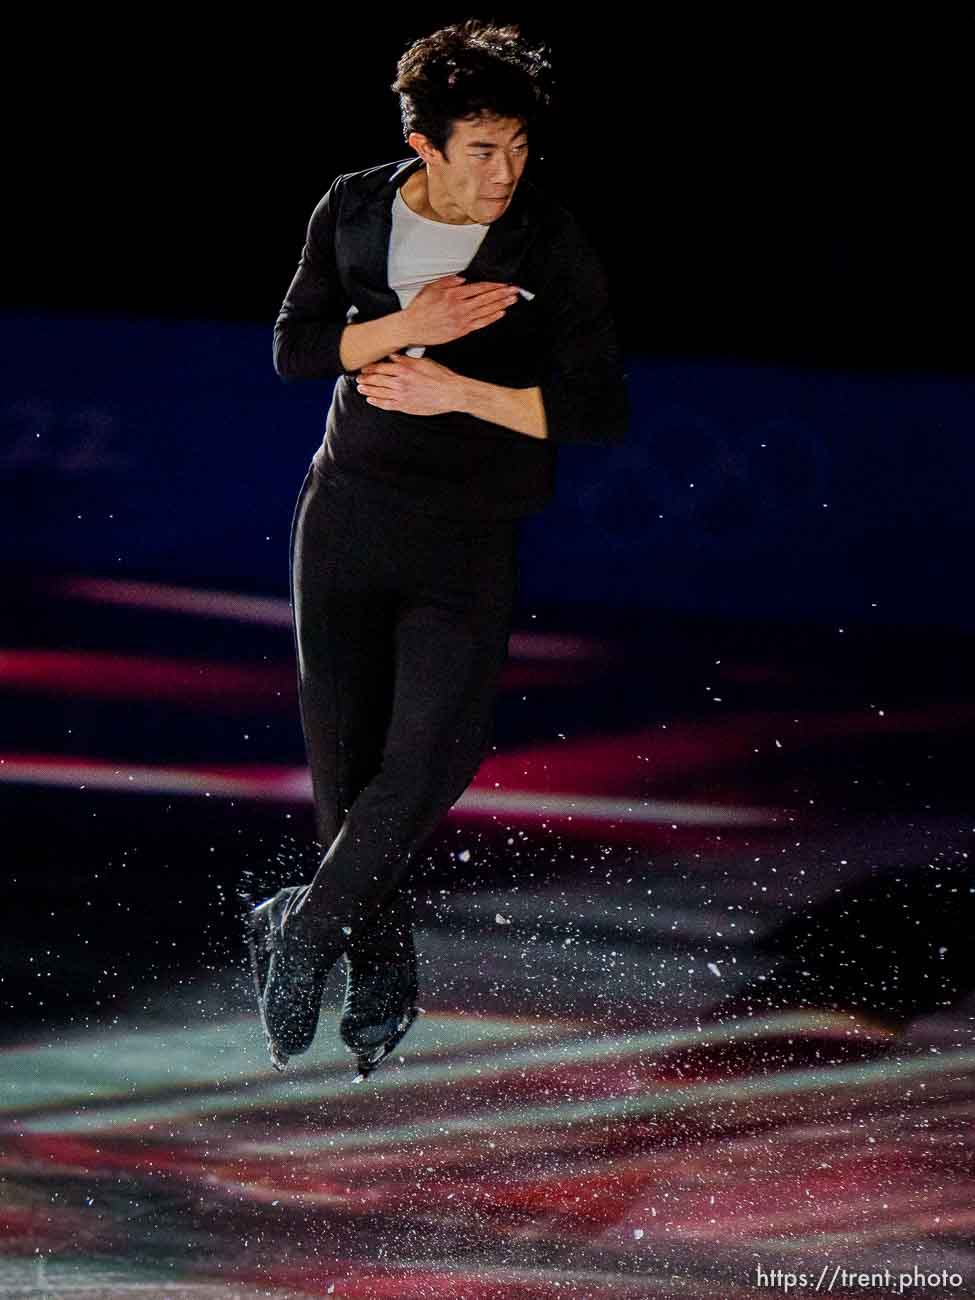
[380, 994]
[291, 963]
[260, 923]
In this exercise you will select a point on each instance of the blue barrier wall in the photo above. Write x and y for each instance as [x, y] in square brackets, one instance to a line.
[171, 450]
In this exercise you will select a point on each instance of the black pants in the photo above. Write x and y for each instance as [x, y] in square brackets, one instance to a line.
[401, 624]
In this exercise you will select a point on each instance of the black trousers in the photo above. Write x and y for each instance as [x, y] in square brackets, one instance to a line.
[401, 624]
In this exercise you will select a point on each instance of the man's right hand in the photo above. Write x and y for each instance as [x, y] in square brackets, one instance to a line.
[449, 308]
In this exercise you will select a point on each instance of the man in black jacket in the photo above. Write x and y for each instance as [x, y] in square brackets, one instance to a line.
[466, 321]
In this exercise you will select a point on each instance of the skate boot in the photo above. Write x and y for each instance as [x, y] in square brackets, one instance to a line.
[258, 923]
[380, 992]
[291, 961]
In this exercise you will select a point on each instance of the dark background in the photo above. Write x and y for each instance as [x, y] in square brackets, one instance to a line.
[788, 188]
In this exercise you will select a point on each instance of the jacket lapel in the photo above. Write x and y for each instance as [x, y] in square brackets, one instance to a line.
[368, 229]
[365, 233]
[504, 246]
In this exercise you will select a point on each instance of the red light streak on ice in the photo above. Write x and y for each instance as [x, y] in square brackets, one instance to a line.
[276, 612]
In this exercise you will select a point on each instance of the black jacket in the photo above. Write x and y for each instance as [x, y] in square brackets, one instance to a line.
[563, 341]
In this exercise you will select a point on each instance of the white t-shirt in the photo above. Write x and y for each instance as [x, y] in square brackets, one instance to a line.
[421, 250]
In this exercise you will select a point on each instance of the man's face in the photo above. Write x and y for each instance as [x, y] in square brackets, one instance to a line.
[486, 159]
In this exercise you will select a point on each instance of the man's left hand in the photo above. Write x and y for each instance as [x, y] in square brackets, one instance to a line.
[415, 385]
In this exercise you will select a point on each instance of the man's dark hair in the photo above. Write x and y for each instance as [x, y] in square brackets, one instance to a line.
[469, 69]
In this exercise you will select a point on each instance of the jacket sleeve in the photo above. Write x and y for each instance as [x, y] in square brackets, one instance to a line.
[581, 374]
[312, 318]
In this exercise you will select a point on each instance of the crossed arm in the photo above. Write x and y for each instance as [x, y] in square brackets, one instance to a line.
[580, 394]
[420, 386]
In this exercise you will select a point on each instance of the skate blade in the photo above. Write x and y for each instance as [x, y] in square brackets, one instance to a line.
[367, 1063]
[279, 1059]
